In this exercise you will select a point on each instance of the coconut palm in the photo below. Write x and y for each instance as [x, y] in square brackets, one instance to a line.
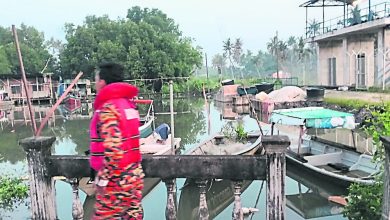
[218, 61]
[237, 53]
[273, 48]
[228, 52]
[313, 28]
[257, 62]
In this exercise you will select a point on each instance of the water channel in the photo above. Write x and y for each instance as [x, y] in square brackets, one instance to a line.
[306, 196]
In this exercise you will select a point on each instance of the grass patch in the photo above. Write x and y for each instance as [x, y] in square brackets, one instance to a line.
[349, 103]
[12, 190]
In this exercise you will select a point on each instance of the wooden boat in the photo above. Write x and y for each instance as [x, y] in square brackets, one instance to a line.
[313, 117]
[220, 194]
[247, 90]
[310, 197]
[339, 164]
[265, 87]
[147, 121]
[72, 103]
[219, 144]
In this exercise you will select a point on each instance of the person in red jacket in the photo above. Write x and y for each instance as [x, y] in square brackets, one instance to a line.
[114, 148]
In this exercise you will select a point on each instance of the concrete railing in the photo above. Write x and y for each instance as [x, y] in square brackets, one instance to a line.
[42, 167]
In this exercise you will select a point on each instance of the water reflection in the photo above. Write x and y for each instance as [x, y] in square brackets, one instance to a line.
[193, 123]
[309, 197]
[219, 195]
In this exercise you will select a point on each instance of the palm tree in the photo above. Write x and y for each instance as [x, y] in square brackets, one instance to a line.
[218, 61]
[228, 51]
[258, 61]
[304, 54]
[356, 16]
[237, 52]
[273, 49]
[314, 28]
[291, 42]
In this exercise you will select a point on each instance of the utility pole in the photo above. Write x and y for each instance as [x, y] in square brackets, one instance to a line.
[207, 67]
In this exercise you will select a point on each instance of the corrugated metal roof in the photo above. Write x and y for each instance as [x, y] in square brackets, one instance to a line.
[316, 3]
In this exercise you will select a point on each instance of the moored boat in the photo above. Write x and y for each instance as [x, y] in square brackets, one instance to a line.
[220, 144]
[333, 162]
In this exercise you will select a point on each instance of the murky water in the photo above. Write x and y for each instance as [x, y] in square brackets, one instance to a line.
[306, 197]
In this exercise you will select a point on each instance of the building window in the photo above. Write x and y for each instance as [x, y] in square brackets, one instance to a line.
[361, 70]
[15, 89]
[37, 88]
[332, 71]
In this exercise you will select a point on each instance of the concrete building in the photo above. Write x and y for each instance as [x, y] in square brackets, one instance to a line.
[354, 49]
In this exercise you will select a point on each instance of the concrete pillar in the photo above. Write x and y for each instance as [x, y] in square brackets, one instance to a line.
[380, 59]
[77, 206]
[42, 192]
[346, 75]
[203, 212]
[237, 208]
[171, 210]
[276, 148]
[386, 190]
[319, 78]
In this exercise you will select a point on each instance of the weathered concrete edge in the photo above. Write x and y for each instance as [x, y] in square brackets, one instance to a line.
[386, 142]
[37, 143]
[174, 166]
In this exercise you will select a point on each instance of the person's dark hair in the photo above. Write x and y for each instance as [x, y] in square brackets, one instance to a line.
[111, 72]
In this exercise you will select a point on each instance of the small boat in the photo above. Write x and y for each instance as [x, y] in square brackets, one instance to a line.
[308, 196]
[219, 144]
[72, 103]
[147, 121]
[313, 117]
[246, 90]
[265, 87]
[227, 82]
[220, 194]
[315, 94]
[339, 164]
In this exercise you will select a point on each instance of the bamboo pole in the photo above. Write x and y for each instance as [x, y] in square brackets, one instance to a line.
[33, 124]
[57, 103]
[172, 117]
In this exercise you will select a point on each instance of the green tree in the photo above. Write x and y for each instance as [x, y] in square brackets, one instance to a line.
[228, 52]
[33, 48]
[237, 53]
[314, 28]
[147, 43]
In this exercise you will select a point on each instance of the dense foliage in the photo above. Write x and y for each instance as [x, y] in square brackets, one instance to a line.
[34, 49]
[147, 43]
[365, 202]
[280, 55]
[12, 190]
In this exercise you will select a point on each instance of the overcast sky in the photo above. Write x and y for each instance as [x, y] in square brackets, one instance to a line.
[209, 22]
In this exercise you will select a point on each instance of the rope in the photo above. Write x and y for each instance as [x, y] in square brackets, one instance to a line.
[258, 197]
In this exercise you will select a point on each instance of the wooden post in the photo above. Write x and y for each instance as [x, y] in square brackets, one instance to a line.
[237, 211]
[42, 192]
[203, 212]
[77, 206]
[386, 190]
[275, 148]
[170, 211]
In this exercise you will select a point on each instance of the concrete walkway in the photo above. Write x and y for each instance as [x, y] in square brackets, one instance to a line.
[365, 96]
